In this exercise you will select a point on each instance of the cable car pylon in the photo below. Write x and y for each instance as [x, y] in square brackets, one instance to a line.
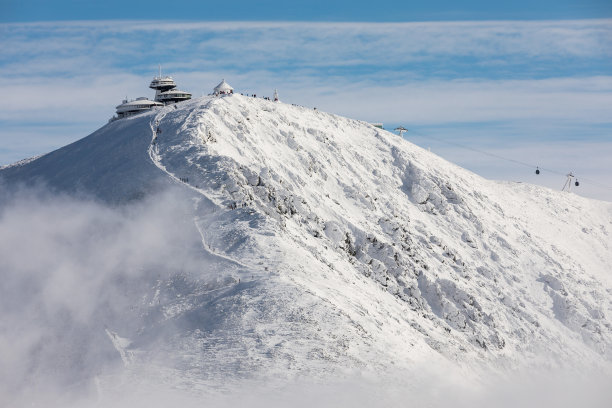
[568, 182]
[401, 130]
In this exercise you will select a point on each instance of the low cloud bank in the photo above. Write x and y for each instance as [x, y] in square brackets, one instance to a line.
[423, 386]
[72, 268]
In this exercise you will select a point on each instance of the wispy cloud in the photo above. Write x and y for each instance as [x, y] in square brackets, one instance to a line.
[240, 44]
[584, 100]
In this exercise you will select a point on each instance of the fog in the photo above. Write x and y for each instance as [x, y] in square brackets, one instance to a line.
[72, 267]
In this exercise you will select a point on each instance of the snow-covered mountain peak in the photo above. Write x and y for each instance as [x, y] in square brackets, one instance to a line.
[337, 246]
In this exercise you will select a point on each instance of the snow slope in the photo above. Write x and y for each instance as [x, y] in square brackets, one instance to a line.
[340, 248]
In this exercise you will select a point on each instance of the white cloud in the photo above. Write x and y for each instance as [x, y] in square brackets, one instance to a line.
[88, 98]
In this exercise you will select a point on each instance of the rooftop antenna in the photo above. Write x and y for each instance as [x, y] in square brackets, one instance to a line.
[401, 130]
[568, 182]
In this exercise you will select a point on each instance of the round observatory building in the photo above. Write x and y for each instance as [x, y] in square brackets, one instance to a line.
[165, 90]
[138, 105]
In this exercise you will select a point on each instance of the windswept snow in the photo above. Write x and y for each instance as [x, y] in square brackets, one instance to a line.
[341, 248]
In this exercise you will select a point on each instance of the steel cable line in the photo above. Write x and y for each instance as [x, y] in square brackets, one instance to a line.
[497, 156]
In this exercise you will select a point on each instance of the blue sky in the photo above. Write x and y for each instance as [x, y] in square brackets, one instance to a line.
[313, 10]
[531, 81]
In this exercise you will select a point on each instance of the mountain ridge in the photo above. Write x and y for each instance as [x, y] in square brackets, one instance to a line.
[339, 246]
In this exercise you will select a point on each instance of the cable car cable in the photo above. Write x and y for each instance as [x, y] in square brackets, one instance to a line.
[497, 156]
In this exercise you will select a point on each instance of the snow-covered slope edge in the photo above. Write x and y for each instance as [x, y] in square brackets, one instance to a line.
[345, 247]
